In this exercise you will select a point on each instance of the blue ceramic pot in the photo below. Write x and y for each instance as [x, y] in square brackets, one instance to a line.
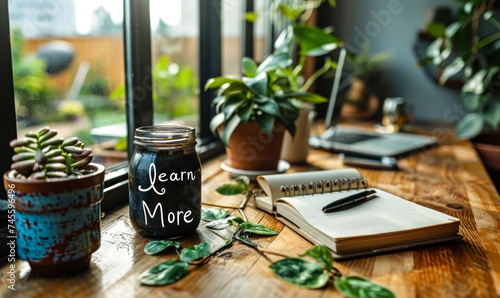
[58, 222]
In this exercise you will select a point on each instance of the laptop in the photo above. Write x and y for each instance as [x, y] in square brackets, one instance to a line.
[363, 142]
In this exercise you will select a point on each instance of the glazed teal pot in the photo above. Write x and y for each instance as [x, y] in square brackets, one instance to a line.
[58, 222]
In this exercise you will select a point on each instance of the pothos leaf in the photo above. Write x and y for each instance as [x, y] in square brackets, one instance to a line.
[357, 287]
[231, 189]
[300, 272]
[251, 227]
[213, 214]
[164, 273]
[195, 252]
[322, 255]
[156, 246]
[221, 224]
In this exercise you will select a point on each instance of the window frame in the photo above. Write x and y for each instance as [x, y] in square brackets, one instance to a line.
[138, 84]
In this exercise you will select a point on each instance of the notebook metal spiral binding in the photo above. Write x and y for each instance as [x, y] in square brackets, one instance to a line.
[320, 186]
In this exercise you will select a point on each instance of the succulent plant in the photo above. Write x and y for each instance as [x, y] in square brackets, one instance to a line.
[40, 155]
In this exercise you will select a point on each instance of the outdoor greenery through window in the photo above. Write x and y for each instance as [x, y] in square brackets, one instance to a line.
[67, 59]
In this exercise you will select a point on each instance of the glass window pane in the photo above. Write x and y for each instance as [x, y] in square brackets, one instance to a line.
[231, 22]
[69, 71]
[175, 36]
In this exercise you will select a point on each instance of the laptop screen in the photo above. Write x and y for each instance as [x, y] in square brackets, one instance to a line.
[335, 103]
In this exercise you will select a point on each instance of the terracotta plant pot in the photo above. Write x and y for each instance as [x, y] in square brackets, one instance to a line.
[358, 91]
[58, 222]
[251, 149]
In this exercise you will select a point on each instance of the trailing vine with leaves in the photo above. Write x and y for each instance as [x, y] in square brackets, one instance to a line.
[314, 269]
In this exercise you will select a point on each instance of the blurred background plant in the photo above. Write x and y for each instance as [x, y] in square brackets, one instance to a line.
[32, 91]
[469, 48]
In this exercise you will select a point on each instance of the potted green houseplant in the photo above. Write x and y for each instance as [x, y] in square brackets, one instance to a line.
[270, 97]
[360, 104]
[55, 192]
[469, 49]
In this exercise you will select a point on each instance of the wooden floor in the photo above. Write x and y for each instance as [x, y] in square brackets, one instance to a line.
[449, 178]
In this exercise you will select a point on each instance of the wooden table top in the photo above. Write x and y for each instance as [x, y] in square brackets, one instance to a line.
[449, 178]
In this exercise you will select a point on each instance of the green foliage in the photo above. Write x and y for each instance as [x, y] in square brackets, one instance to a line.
[322, 255]
[267, 93]
[357, 287]
[157, 246]
[31, 87]
[213, 214]
[239, 186]
[164, 273]
[195, 252]
[255, 228]
[474, 43]
[365, 66]
[40, 155]
[300, 272]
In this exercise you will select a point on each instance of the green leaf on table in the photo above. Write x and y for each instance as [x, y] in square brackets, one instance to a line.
[315, 41]
[249, 67]
[300, 272]
[236, 220]
[255, 228]
[156, 246]
[470, 126]
[195, 252]
[242, 180]
[164, 273]
[244, 238]
[322, 255]
[357, 287]
[211, 214]
[231, 189]
[221, 224]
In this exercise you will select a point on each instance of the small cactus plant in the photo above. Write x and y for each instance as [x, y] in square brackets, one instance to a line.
[39, 155]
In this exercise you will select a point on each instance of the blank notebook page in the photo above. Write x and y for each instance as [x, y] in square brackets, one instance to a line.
[384, 213]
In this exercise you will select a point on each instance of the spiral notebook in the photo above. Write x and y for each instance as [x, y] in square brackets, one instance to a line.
[381, 224]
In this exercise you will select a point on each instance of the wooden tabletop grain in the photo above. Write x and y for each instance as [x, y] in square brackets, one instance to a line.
[449, 178]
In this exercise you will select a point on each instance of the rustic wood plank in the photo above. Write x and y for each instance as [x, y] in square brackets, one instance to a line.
[449, 178]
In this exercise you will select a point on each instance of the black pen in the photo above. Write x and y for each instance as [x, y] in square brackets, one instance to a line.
[348, 200]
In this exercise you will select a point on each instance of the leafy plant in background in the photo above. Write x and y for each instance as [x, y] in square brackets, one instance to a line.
[39, 155]
[473, 44]
[31, 88]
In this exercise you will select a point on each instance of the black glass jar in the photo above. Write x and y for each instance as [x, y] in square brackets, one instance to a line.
[165, 182]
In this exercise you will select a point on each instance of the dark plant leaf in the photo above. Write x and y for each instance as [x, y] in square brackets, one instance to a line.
[257, 84]
[315, 41]
[221, 224]
[309, 97]
[231, 189]
[229, 128]
[452, 69]
[275, 61]
[244, 238]
[491, 113]
[236, 220]
[245, 111]
[242, 180]
[321, 254]
[470, 126]
[266, 123]
[300, 272]
[156, 246]
[216, 121]
[195, 252]
[230, 106]
[251, 227]
[218, 82]
[357, 287]
[271, 107]
[213, 214]
[164, 273]
[249, 67]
